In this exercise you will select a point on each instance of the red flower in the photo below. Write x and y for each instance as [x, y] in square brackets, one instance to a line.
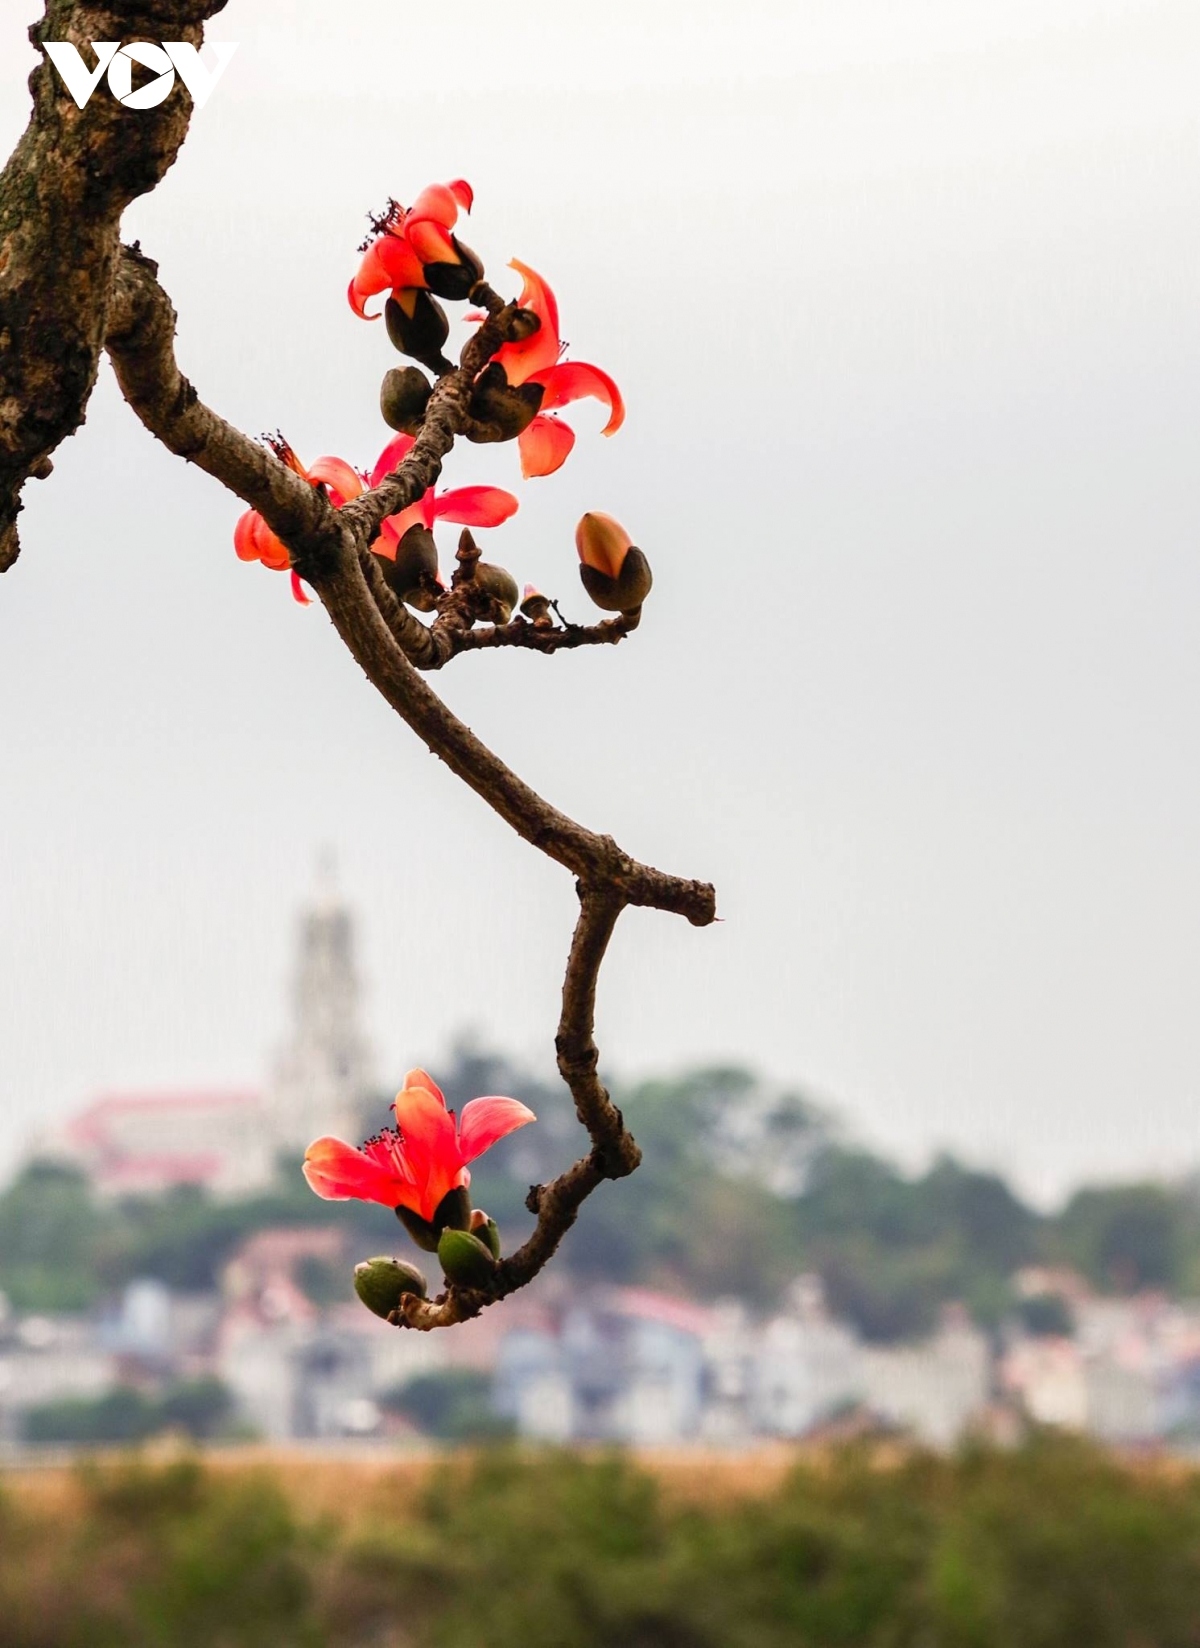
[547, 441]
[252, 537]
[411, 245]
[466, 505]
[415, 1163]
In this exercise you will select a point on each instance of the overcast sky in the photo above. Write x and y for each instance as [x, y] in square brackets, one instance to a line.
[903, 300]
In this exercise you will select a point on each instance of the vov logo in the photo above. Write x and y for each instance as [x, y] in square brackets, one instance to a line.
[171, 58]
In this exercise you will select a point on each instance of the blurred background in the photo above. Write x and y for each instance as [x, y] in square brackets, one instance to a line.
[901, 298]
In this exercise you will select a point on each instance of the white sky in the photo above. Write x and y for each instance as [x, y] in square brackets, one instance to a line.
[903, 299]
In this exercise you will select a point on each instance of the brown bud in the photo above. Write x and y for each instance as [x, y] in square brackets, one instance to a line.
[417, 325]
[613, 570]
[454, 280]
[522, 324]
[403, 396]
[536, 607]
[501, 410]
[413, 575]
[501, 586]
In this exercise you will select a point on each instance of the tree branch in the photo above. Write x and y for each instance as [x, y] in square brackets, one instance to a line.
[330, 548]
[614, 1153]
[61, 197]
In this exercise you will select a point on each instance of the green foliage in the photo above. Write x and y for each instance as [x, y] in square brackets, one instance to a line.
[1053, 1546]
[454, 1406]
[199, 1407]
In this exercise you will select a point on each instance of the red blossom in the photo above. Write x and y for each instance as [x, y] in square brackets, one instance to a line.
[546, 443]
[477, 506]
[417, 1162]
[410, 241]
[252, 537]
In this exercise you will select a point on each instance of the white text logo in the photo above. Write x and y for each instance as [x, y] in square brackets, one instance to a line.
[171, 58]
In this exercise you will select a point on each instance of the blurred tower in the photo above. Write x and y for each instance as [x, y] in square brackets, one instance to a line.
[323, 1075]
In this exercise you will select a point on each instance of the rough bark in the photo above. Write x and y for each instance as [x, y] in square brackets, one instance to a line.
[62, 194]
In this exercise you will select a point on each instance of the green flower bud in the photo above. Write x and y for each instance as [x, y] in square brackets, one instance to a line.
[501, 586]
[486, 1230]
[417, 325]
[465, 1259]
[381, 1283]
[501, 410]
[403, 397]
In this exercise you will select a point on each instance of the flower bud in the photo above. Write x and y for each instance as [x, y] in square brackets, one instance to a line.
[522, 324]
[381, 1283]
[417, 325]
[413, 575]
[465, 1259]
[486, 1230]
[501, 586]
[536, 607]
[501, 410]
[403, 397]
[454, 277]
[614, 572]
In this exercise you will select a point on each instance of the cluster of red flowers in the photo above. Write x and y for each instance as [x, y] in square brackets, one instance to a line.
[416, 257]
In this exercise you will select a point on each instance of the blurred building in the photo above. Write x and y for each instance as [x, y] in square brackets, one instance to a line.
[229, 1142]
[323, 1075]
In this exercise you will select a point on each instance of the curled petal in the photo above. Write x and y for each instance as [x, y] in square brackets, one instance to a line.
[484, 1121]
[545, 446]
[343, 482]
[422, 1078]
[439, 203]
[474, 506]
[541, 350]
[392, 456]
[339, 1173]
[388, 262]
[298, 591]
[575, 381]
[245, 536]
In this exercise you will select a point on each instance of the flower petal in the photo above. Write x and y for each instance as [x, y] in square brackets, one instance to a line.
[335, 473]
[339, 1173]
[544, 446]
[392, 456]
[430, 1141]
[536, 353]
[431, 242]
[475, 505]
[387, 262]
[439, 203]
[245, 535]
[422, 1078]
[484, 1121]
[574, 381]
[395, 526]
[298, 591]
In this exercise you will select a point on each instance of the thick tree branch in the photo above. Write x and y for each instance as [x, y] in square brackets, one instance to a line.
[61, 197]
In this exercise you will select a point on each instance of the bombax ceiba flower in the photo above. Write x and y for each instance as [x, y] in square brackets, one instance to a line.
[252, 537]
[415, 1164]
